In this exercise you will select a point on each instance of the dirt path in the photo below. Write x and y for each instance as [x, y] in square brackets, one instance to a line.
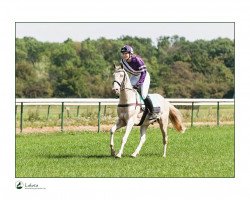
[104, 128]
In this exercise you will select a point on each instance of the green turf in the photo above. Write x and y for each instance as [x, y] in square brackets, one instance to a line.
[200, 152]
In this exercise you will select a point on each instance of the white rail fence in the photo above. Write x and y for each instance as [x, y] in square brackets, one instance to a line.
[99, 102]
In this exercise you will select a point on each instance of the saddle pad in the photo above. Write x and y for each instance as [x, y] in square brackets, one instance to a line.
[155, 98]
[157, 109]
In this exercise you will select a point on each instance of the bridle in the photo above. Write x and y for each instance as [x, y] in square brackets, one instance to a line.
[124, 88]
[121, 84]
[117, 83]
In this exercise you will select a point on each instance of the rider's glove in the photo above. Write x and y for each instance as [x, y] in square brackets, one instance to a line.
[135, 87]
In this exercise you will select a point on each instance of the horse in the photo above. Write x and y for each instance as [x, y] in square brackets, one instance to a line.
[130, 112]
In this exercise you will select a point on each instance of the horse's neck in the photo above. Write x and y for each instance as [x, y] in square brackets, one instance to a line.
[127, 95]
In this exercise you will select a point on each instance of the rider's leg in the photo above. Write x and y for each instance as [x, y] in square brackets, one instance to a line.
[145, 86]
[149, 105]
[146, 98]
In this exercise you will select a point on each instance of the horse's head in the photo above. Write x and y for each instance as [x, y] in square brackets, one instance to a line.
[119, 78]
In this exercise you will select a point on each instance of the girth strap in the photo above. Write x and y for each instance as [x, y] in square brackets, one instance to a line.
[129, 104]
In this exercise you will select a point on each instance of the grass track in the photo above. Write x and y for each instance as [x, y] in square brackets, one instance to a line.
[200, 152]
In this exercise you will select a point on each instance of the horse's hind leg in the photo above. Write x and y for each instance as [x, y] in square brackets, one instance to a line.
[142, 140]
[118, 125]
[163, 122]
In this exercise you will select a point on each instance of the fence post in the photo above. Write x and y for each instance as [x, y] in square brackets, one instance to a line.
[192, 115]
[67, 109]
[99, 116]
[218, 113]
[62, 111]
[105, 110]
[48, 112]
[77, 113]
[21, 118]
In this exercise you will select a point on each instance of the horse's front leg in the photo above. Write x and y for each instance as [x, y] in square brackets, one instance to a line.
[129, 127]
[118, 125]
[142, 140]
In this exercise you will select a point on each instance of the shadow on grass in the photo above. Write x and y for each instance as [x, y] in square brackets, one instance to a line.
[101, 156]
[64, 156]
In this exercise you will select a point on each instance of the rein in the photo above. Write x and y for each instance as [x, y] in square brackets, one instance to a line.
[120, 84]
[124, 88]
[129, 104]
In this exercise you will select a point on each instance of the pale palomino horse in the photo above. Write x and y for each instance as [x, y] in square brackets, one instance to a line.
[129, 114]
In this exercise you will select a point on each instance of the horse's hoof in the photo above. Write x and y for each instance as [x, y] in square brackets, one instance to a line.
[133, 155]
[164, 156]
[118, 156]
[112, 153]
[183, 130]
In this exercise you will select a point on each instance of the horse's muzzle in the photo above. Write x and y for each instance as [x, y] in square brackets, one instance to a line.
[116, 91]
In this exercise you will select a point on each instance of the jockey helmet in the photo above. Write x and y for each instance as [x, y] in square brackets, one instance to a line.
[127, 49]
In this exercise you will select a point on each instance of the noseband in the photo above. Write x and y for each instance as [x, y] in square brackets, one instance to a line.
[117, 82]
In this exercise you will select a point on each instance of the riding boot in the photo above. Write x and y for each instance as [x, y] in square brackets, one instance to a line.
[149, 106]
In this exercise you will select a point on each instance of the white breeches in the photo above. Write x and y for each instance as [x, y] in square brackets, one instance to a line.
[144, 86]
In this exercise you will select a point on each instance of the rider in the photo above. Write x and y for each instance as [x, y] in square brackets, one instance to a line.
[140, 78]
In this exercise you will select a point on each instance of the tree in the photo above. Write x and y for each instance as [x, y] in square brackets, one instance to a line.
[92, 59]
[178, 68]
[28, 83]
[64, 55]
[34, 49]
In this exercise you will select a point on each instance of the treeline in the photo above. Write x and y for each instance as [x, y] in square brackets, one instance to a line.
[178, 68]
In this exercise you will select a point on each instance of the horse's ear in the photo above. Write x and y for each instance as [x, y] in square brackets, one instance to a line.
[114, 66]
[121, 65]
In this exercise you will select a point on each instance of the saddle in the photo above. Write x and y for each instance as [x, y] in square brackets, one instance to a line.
[156, 108]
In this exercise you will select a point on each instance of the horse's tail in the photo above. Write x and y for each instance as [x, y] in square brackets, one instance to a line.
[176, 118]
